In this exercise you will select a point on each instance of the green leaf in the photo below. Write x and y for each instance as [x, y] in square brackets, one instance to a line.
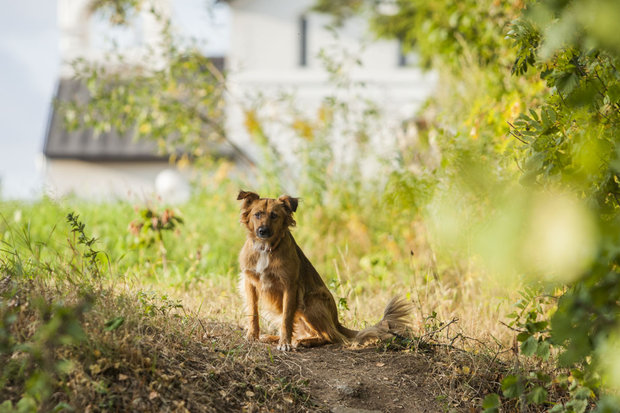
[558, 408]
[529, 346]
[614, 92]
[566, 83]
[543, 377]
[523, 336]
[544, 350]
[27, 404]
[578, 406]
[6, 406]
[512, 387]
[538, 395]
[538, 326]
[582, 393]
[491, 403]
[114, 323]
[63, 407]
[535, 162]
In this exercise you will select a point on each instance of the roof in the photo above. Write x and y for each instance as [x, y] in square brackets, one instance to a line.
[83, 144]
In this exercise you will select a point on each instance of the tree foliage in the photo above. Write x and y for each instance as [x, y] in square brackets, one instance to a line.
[171, 93]
[548, 103]
[571, 140]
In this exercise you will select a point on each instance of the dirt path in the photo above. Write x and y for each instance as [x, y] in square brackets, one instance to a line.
[367, 379]
[384, 378]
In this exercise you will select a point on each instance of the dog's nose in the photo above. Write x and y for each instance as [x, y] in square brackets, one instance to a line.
[263, 232]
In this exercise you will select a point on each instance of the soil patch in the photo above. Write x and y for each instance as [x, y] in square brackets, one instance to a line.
[365, 379]
[385, 378]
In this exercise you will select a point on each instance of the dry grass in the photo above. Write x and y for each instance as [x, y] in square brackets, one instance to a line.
[161, 358]
[166, 357]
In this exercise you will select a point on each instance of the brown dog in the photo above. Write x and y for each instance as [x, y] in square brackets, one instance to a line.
[275, 271]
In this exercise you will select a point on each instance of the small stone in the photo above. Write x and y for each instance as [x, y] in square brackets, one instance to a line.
[347, 390]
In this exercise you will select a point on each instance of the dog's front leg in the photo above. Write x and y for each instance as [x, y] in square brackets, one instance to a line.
[289, 305]
[251, 296]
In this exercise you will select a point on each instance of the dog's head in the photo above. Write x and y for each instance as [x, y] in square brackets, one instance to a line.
[267, 218]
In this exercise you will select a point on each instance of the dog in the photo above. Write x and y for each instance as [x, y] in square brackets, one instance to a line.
[275, 272]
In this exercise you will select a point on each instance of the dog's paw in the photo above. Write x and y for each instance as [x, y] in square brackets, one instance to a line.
[251, 336]
[284, 346]
[269, 339]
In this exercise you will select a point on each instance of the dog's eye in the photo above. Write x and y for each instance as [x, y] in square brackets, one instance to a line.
[273, 215]
[258, 215]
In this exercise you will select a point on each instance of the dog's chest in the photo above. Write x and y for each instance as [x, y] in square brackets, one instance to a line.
[262, 262]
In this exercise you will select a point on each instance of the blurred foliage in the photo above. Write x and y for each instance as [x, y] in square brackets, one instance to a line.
[166, 90]
[33, 329]
[118, 12]
[537, 85]
[150, 227]
[571, 141]
[179, 106]
[444, 30]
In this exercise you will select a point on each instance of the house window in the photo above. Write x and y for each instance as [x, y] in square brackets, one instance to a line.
[303, 41]
[402, 57]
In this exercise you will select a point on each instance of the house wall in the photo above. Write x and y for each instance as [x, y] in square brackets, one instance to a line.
[84, 35]
[109, 180]
[264, 64]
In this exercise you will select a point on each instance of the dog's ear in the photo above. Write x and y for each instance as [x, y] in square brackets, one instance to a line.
[247, 197]
[289, 202]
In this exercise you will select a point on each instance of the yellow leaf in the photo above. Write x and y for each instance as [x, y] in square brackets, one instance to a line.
[251, 122]
[304, 129]
[145, 128]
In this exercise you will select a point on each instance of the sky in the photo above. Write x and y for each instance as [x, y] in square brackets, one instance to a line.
[29, 70]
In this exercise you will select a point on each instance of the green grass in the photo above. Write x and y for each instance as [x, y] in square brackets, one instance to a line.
[365, 249]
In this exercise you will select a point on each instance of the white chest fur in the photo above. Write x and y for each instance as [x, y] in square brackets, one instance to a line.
[262, 262]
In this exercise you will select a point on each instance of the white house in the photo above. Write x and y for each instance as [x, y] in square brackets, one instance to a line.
[274, 50]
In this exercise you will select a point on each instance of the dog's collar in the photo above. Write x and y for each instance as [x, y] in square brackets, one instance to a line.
[265, 247]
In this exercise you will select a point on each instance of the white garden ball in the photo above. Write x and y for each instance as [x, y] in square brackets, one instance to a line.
[172, 187]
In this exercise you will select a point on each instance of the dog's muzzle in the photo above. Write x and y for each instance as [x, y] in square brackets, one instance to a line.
[264, 232]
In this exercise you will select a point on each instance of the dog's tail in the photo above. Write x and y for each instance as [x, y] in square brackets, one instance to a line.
[396, 320]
